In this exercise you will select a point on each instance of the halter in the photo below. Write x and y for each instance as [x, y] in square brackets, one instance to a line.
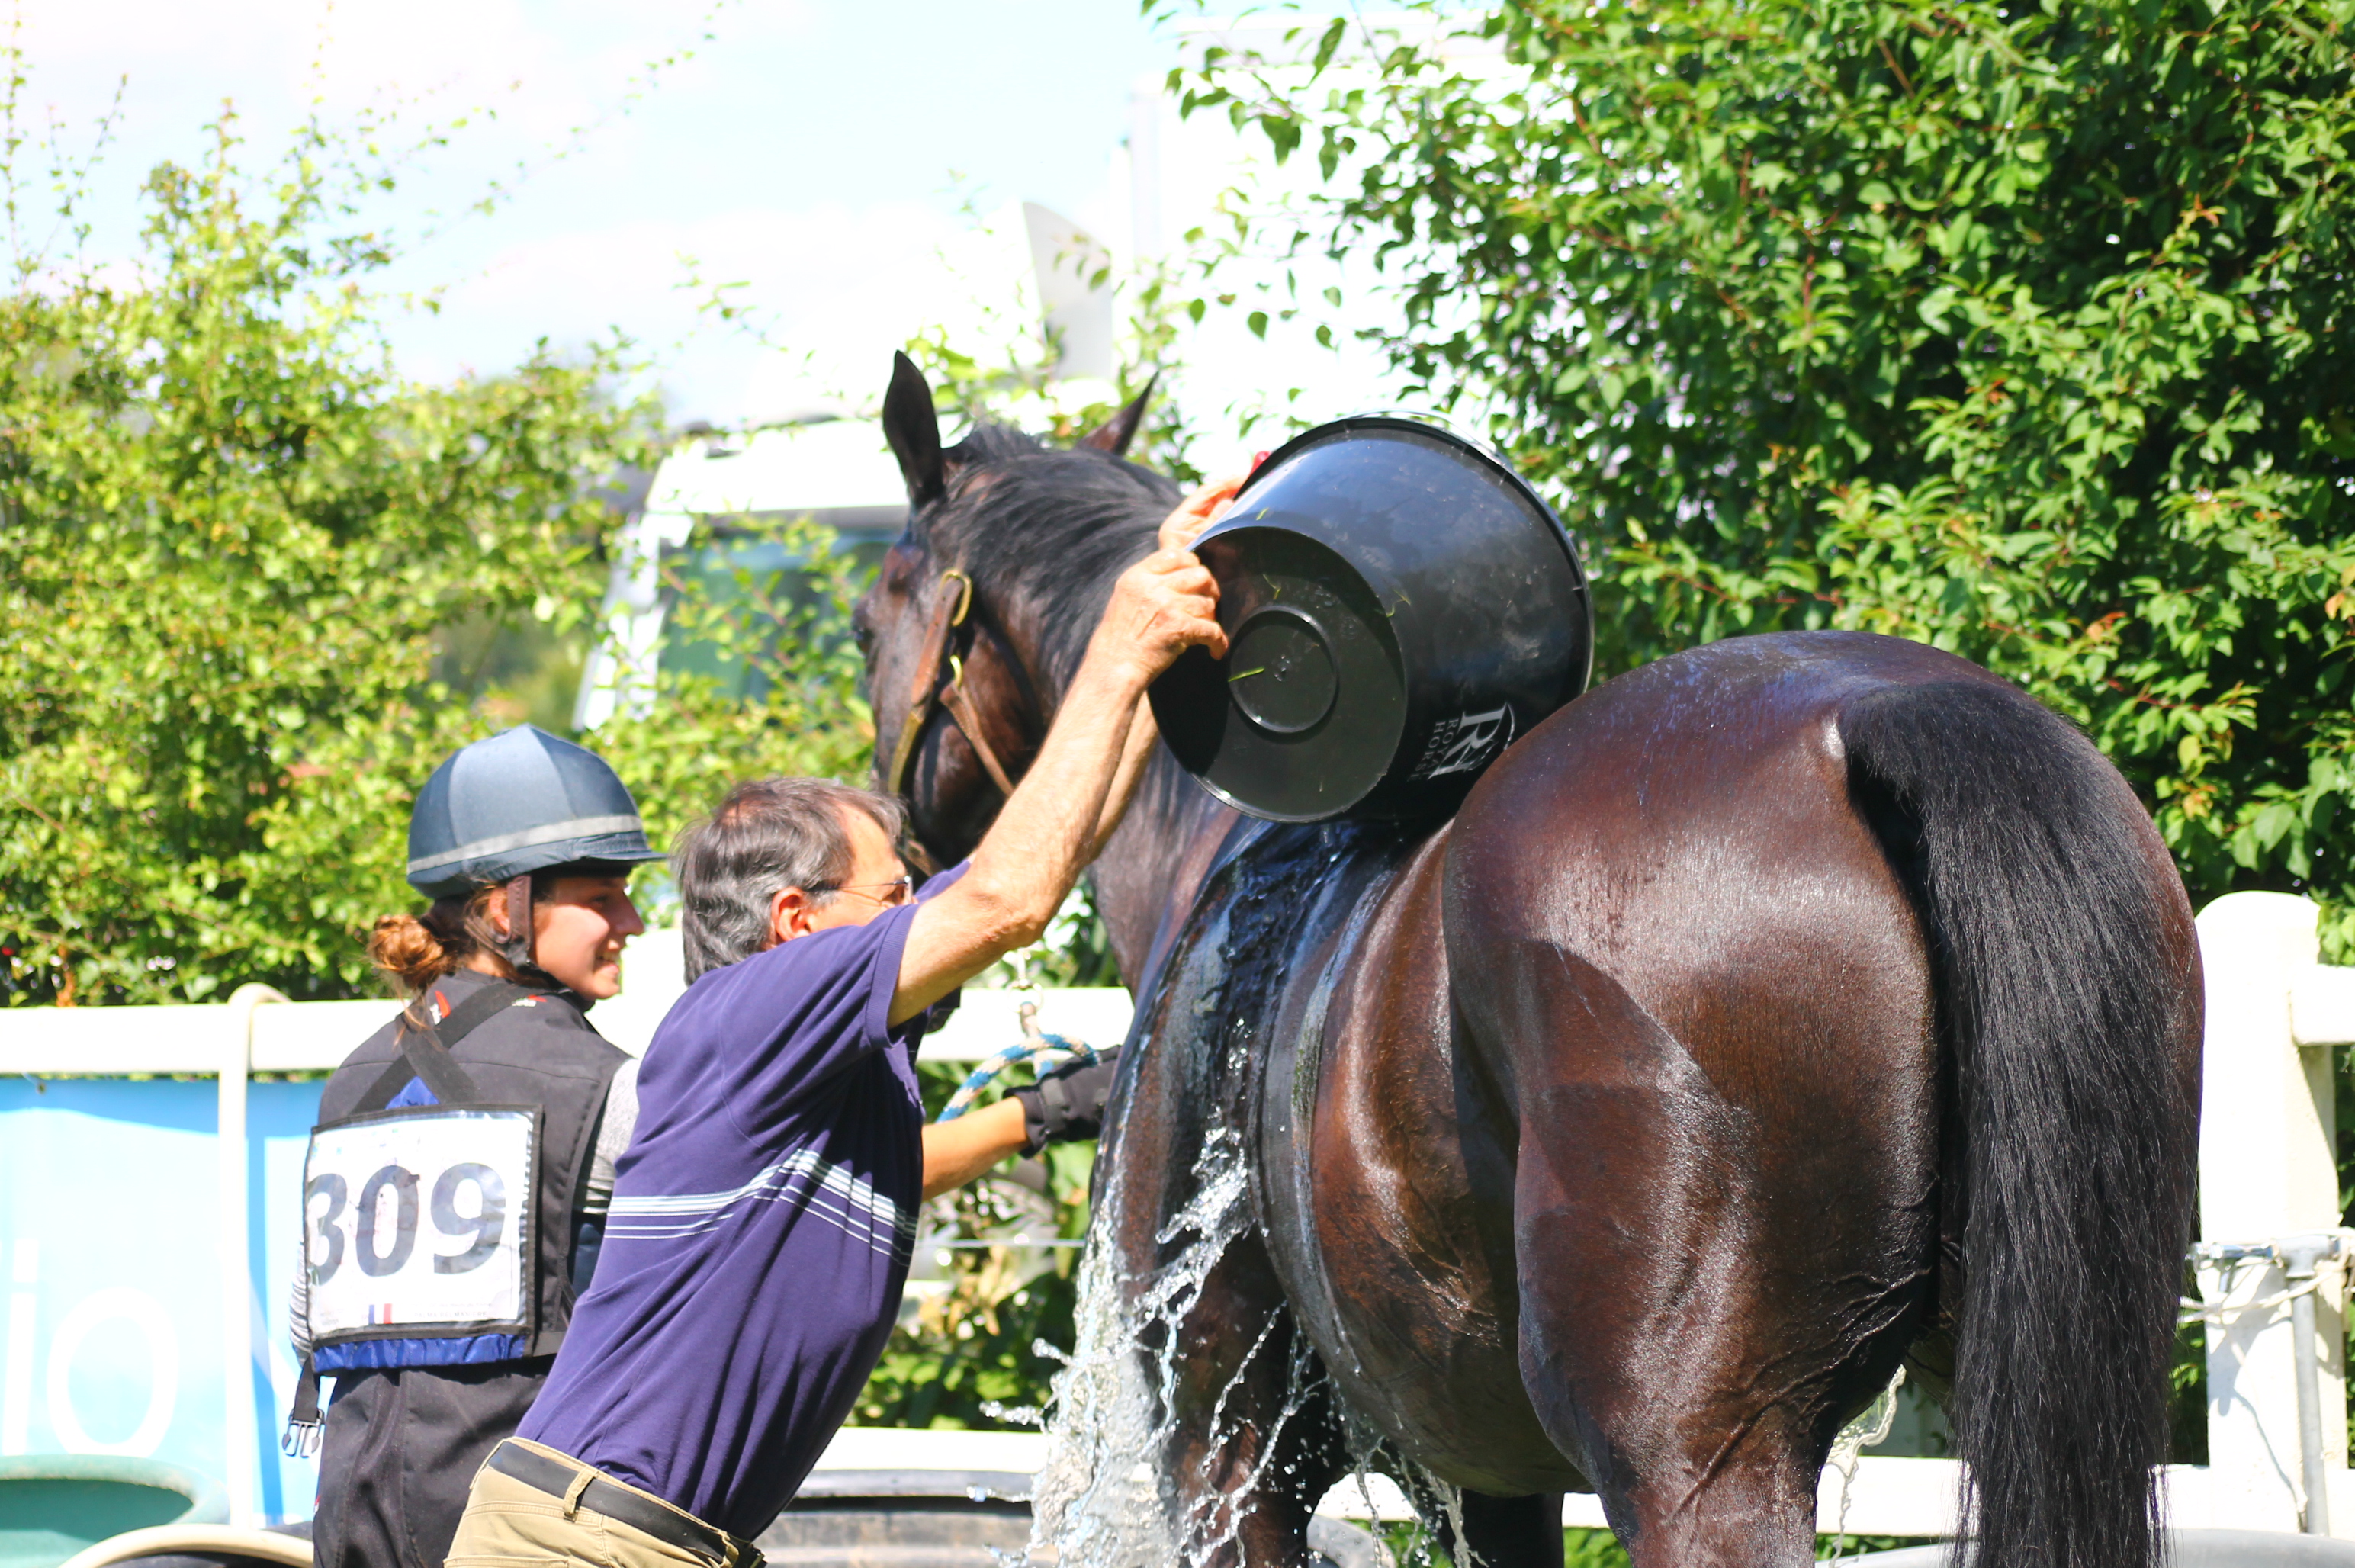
[949, 612]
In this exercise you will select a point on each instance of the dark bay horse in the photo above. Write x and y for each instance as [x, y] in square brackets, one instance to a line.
[1789, 1009]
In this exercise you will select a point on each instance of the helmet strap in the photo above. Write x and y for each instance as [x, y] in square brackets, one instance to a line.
[520, 945]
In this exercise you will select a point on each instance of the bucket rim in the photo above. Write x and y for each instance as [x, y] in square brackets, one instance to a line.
[1487, 451]
[1425, 424]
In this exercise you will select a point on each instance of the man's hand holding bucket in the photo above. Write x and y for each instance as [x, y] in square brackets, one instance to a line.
[1197, 511]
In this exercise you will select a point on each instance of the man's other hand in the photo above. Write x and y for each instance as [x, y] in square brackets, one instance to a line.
[1067, 1105]
[1162, 605]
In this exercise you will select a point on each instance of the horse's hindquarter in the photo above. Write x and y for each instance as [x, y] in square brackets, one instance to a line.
[1703, 996]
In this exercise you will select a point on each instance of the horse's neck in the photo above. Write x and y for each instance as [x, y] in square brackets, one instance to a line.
[1156, 860]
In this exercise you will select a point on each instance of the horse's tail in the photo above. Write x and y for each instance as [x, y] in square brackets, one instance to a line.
[2067, 988]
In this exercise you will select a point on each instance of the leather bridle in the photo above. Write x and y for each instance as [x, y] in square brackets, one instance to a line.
[930, 686]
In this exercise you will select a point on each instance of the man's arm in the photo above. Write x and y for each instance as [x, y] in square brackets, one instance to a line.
[1067, 1102]
[1178, 530]
[1197, 511]
[1054, 822]
[1143, 736]
[958, 1152]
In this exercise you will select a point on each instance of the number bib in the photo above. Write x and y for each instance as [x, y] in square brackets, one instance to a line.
[417, 1223]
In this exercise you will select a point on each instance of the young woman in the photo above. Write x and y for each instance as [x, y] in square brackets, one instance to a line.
[457, 1182]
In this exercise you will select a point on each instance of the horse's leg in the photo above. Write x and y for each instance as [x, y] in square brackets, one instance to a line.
[1253, 1443]
[1508, 1533]
[1477, 1531]
[1650, 1344]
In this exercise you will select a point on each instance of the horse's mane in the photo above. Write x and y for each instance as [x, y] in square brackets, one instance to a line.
[1043, 531]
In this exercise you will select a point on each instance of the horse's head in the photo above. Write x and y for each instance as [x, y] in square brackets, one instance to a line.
[984, 606]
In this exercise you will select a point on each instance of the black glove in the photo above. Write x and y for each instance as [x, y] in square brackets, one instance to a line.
[1068, 1103]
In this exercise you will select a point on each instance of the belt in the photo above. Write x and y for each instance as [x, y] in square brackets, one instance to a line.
[674, 1527]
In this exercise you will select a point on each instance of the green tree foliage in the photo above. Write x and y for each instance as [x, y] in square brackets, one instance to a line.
[2020, 329]
[230, 535]
[233, 541]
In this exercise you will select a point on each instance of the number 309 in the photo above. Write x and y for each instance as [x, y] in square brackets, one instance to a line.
[378, 1256]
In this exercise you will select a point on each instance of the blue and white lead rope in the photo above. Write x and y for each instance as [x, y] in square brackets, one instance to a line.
[1034, 1048]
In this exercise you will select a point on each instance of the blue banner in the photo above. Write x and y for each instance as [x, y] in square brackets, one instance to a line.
[111, 1255]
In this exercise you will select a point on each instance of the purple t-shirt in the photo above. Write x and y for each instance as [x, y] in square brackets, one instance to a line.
[762, 1223]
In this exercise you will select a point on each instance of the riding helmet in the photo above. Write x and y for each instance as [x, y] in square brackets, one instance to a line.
[520, 802]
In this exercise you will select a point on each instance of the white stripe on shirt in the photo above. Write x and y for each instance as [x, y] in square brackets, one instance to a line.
[825, 1190]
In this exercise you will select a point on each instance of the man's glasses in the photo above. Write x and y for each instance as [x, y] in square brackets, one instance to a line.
[895, 893]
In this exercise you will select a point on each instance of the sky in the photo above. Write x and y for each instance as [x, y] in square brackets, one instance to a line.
[827, 154]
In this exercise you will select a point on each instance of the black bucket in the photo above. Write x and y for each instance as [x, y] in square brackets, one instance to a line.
[1400, 606]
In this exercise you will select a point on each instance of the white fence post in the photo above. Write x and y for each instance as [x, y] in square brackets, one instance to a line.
[2267, 1170]
[240, 1357]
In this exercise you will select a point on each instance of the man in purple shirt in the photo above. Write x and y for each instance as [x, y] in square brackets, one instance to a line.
[762, 1217]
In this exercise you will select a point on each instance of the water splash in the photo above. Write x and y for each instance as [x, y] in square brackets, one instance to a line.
[1100, 1500]
[1105, 1498]
[1109, 1418]
[1020, 1414]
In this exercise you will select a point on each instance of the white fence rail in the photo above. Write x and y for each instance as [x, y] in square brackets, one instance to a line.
[258, 1030]
[2268, 1175]
[313, 1037]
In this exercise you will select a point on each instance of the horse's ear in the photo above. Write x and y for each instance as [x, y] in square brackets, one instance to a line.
[1114, 434]
[913, 429]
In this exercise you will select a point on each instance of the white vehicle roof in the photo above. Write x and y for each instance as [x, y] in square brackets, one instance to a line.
[828, 466]
[835, 471]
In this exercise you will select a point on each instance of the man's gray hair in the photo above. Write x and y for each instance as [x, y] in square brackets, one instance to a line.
[768, 835]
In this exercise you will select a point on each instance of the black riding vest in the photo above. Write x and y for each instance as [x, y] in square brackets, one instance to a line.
[545, 1055]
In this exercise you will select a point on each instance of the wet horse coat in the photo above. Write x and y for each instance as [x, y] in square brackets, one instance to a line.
[1774, 1013]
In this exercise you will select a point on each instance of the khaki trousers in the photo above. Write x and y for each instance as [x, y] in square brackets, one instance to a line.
[509, 1524]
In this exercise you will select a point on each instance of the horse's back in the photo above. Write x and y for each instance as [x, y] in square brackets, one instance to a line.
[1679, 850]
[1689, 827]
